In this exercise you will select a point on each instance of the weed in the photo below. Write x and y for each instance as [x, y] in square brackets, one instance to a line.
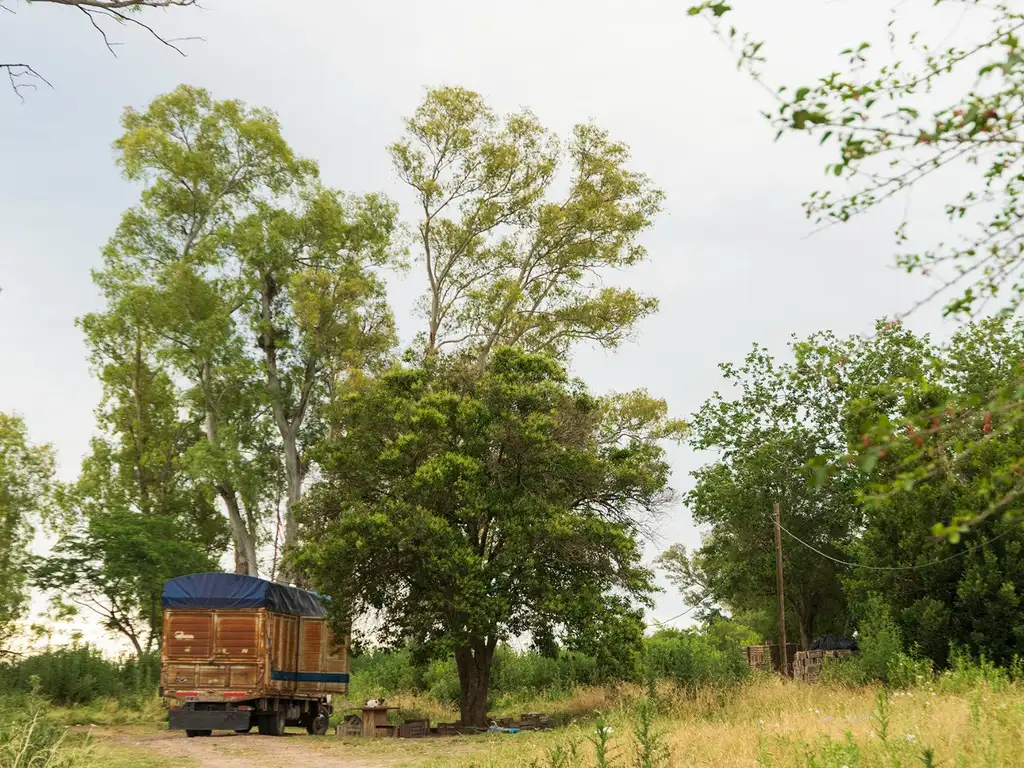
[651, 749]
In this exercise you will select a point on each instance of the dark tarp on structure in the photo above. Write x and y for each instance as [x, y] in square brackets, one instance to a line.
[234, 591]
[833, 643]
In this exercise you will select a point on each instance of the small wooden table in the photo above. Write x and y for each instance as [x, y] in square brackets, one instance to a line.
[372, 717]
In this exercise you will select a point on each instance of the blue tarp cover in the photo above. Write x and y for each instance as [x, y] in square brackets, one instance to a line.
[232, 590]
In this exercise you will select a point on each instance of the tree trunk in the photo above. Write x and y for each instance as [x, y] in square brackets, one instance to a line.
[805, 620]
[133, 638]
[295, 476]
[245, 547]
[474, 665]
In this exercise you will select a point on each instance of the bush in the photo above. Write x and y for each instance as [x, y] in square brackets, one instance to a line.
[80, 674]
[441, 681]
[685, 657]
[881, 656]
[966, 672]
[689, 658]
[514, 673]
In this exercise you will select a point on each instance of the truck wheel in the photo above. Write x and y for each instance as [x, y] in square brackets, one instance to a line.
[272, 724]
[191, 733]
[319, 725]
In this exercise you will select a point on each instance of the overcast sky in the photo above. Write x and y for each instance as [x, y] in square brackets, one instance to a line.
[731, 259]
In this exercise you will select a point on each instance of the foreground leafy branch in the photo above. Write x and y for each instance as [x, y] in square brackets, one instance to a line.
[877, 113]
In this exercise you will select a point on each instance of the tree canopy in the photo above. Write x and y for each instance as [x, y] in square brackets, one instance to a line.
[507, 261]
[800, 419]
[256, 283]
[135, 516]
[26, 477]
[907, 118]
[466, 509]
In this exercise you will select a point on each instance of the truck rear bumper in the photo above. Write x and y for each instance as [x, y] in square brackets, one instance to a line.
[208, 720]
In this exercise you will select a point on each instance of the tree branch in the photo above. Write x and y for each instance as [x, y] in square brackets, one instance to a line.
[17, 71]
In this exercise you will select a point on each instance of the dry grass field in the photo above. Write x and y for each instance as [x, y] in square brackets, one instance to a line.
[768, 723]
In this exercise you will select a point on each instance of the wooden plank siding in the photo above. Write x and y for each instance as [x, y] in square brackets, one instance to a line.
[252, 651]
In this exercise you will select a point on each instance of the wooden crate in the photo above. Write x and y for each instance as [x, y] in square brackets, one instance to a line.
[352, 725]
[807, 664]
[414, 729]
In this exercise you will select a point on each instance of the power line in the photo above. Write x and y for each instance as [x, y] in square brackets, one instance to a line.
[684, 613]
[894, 567]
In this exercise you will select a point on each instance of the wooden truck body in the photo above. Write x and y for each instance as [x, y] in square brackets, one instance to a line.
[240, 651]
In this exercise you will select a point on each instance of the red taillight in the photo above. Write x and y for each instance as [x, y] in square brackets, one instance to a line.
[243, 708]
[183, 694]
[235, 694]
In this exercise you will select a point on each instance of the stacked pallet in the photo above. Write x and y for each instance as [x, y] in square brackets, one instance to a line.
[767, 658]
[807, 664]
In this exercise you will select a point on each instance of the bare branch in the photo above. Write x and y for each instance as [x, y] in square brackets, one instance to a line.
[15, 72]
[114, 9]
[98, 28]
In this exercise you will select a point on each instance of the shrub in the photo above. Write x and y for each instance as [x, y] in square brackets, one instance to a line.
[881, 657]
[79, 674]
[29, 737]
[689, 658]
[966, 672]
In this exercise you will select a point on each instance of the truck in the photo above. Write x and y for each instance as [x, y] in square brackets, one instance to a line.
[239, 651]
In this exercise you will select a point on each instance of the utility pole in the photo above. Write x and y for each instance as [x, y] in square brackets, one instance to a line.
[782, 595]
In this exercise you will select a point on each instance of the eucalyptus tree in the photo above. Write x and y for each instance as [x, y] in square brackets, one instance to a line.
[258, 282]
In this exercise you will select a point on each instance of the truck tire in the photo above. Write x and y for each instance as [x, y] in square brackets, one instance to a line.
[319, 724]
[272, 723]
[191, 733]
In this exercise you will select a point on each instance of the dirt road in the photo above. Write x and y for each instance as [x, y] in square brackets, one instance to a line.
[228, 750]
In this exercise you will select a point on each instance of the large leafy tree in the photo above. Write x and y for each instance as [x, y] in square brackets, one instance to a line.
[317, 312]
[135, 517]
[26, 477]
[782, 420]
[941, 593]
[257, 282]
[467, 507]
[508, 260]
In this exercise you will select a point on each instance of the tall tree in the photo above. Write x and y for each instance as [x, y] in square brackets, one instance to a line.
[135, 517]
[259, 283]
[318, 313]
[468, 508]
[870, 545]
[783, 419]
[965, 593]
[204, 164]
[26, 476]
[507, 262]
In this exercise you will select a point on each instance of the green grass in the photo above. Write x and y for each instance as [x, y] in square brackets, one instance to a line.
[767, 723]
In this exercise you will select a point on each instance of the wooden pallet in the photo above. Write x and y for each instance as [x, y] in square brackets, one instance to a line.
[807, 664]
